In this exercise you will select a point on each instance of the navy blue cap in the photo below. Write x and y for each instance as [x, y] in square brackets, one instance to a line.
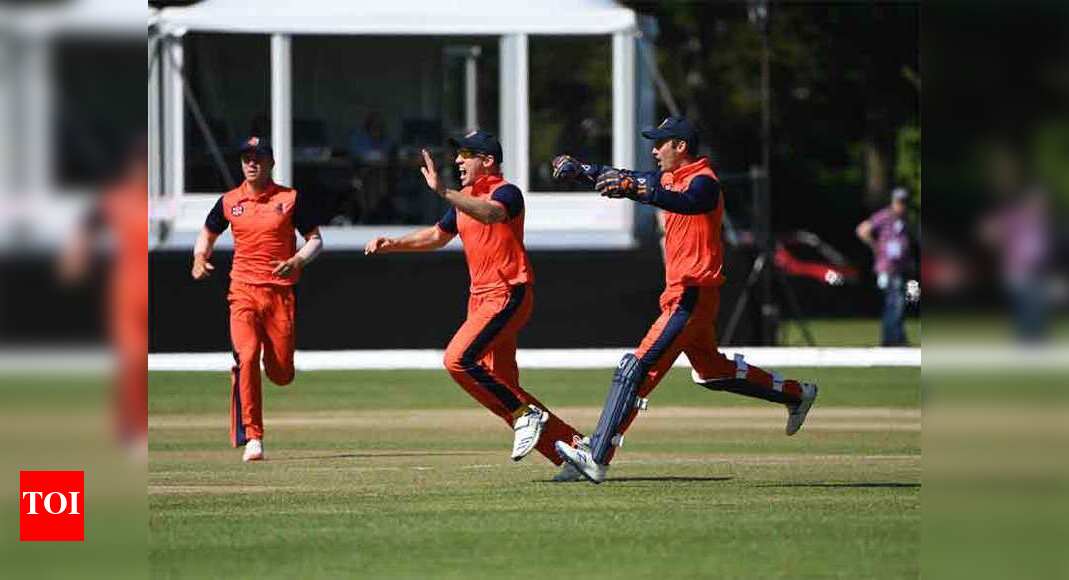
[258, 146]
[675, 128]
[480, 142]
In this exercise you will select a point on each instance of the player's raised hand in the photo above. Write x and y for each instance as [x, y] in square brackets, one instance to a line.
[377, 245]
[430, 174]
[202, 268]
[565, 167]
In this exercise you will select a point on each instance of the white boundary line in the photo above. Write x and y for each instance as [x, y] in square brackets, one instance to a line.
[550, 358]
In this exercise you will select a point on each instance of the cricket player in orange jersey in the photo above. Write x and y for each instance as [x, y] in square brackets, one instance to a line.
[262, 216]
[122, 212]
[688, 192]
[488, 214]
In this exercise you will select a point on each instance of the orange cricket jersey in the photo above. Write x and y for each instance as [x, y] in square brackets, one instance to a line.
[693, 252]
[125, 208]
[263, 229]
[494, 252]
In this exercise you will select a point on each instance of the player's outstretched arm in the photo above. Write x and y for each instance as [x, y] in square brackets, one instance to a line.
[483, 211]
[701, 195]
[568, 168]
[202, 252]
[423, 240]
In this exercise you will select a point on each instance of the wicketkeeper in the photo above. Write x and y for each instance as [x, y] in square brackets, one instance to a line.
[688, 192]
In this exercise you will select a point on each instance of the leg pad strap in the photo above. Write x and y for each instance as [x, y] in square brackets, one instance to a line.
[746, 388]
[741, 368]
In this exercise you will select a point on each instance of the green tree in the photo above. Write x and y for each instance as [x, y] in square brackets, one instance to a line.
[842, 92]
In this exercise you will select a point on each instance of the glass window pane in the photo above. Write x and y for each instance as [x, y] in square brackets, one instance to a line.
[571, 104]
[100, 107]
[363, 107]
[230, 78]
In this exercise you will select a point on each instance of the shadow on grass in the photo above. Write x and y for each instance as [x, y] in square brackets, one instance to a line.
[887, 484]
[665, 479]
[377, 455]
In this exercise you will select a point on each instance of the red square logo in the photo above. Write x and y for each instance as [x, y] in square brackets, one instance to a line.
[51, 506]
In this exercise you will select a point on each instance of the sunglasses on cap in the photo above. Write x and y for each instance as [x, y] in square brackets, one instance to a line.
[468, 153]
[673, 140]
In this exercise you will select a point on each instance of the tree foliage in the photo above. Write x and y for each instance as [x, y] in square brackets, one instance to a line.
[845, 99]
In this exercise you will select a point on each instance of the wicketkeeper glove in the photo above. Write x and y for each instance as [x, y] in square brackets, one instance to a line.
[566, 167]
[617, 183]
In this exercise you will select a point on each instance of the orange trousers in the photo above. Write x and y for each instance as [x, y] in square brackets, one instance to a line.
[261, 320]
[129, 338]
[481, 358]
[687, 325]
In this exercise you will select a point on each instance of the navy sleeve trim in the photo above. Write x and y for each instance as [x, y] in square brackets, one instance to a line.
[510, 197]
[701, 196]
[216, 221]
[448, 223]
[306, 216]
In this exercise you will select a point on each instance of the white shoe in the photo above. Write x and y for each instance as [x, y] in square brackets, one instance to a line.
[581, 460]
[527, 428]
[798, 411]
[254, 451]
[568, 473]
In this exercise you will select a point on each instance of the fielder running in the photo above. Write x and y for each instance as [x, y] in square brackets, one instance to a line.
[262, 216]
[688, 191]
[488, 214]
[121, 212]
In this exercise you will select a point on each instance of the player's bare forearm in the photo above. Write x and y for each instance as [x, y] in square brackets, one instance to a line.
[423, 240]
[202, 252]
[313, 244]
[205, 243]
[483, 211]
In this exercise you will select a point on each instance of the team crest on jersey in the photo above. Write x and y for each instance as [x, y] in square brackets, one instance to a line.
[253, 142]
[279, 209]
[237, 210]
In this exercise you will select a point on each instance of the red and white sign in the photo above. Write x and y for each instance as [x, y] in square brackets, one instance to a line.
[51, 506]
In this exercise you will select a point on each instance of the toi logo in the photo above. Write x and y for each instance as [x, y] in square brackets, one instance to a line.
[51, 506]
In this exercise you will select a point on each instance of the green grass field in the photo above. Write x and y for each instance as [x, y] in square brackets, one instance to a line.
[399, 474]
[844, 332]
